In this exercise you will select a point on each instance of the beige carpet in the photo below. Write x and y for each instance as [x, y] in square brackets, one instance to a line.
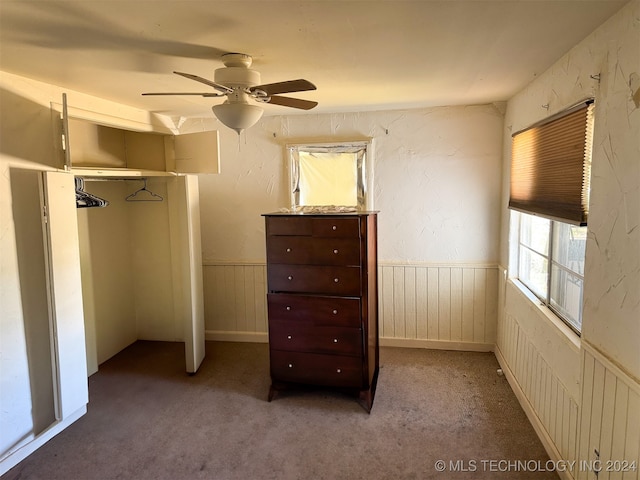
[148, 419]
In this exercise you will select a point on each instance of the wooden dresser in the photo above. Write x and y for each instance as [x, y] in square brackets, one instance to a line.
[323, 301]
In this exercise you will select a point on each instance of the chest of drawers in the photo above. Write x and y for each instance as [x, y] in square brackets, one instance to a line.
[322, 298]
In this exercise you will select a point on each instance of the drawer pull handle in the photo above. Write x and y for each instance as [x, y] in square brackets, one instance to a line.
[339, 370]
[335, 312]
[288, 337]
[288, 250]
[334, 228]
[288, 307]
[335, 340]
[335, 251]
[336, 280]
[291, 365]
[290, 277]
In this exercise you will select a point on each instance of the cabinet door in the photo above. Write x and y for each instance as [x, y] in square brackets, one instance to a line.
[187, 266]
[193, 153]
[65, 290]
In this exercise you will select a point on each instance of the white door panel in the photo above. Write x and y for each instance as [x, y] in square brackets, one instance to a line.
[65, 287]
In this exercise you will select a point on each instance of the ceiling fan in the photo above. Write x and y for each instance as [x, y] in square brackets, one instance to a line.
[240, 84]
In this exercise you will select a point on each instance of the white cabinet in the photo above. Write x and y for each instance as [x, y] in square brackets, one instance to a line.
[91, 140]
[141, 267]
[96, 146]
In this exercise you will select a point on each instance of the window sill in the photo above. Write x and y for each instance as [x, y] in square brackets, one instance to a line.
[551, 318]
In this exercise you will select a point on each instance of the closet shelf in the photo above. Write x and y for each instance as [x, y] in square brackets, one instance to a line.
[118, 172]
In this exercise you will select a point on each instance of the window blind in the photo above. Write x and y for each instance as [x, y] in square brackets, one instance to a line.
[551, 166]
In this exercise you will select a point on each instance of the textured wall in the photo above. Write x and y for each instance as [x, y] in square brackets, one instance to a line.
[436, 185]
[612, 270]
[605, 66]
[437, 182]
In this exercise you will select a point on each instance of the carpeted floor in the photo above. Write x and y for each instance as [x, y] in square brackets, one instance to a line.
[147, 419]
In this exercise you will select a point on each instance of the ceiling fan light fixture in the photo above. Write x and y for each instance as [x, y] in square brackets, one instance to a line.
[240, 84]
[237, 116]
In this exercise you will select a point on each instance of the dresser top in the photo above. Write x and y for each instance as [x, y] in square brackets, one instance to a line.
[361, 213]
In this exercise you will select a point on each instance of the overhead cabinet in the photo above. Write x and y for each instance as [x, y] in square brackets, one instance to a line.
[98, 146]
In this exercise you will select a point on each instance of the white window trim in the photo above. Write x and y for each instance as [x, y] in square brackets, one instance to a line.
[514, 258]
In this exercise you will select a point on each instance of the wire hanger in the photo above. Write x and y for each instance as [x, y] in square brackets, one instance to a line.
[87, 200]
[144, 195]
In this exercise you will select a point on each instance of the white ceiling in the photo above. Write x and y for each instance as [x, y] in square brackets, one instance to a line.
[361, 55]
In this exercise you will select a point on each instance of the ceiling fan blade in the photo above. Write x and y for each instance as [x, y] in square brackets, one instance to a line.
[217, 86]
[292, 102]
[289, 86]
[185, 93]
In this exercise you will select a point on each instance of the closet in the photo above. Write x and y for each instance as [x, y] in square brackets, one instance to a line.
[140, 252]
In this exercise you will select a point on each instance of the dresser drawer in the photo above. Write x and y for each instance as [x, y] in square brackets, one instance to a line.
[316, 369]
[314, 279]
[335, 227]
[298, 337]
[289, 225]
[313, 251]
[314, 310]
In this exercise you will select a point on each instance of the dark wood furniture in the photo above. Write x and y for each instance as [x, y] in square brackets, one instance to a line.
[323, 302]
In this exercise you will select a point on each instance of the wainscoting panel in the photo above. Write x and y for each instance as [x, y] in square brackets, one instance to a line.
[235, 303]
[435, 306]
[610, 419]
[453, 304]
[542, 394]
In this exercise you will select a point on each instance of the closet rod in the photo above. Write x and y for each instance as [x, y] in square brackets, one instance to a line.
[102, 179]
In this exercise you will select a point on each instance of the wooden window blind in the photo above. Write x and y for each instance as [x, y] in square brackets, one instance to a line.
[551, 166]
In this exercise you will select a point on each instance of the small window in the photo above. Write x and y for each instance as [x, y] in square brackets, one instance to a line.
[331, 176]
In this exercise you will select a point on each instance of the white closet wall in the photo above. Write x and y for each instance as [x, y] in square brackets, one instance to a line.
[126, 256]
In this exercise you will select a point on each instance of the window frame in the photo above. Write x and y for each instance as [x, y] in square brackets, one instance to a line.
[363, 151]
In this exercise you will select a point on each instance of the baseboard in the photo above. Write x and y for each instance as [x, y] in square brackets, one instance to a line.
[436, 344]
[544, 437]
[249, 337]
[13, 458]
